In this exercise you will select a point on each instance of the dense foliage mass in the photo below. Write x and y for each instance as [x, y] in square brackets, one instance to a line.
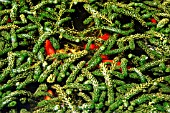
[63, 56]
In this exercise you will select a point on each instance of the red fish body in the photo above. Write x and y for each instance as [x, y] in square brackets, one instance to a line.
[49, 48]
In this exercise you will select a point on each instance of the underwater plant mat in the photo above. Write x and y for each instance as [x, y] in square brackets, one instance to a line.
[84, 56]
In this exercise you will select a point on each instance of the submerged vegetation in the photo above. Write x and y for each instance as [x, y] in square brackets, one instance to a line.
[63, 56]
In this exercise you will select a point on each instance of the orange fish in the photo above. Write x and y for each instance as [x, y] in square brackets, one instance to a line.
[92, 46]
[49, 49]
[47, 97]
[105, 36]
